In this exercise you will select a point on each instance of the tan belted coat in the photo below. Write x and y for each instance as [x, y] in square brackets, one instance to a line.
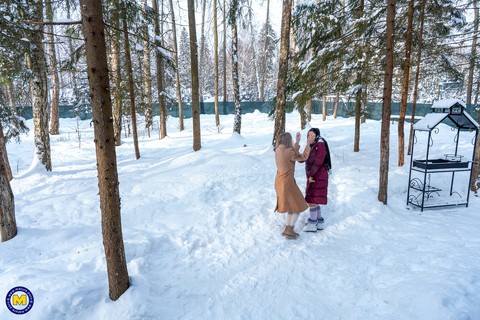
[289, 197]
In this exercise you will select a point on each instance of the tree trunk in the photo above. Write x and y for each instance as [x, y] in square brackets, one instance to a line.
[147, 75]
[177, 74]
[9, 88]
[417, 75]
[54, 121]
[308, 106]
[282, 70]
[195, 84]
[358, 114]
[96, 54]
[303, 115]
[116, 72]
[39, 88]
[131, 90]
[215, 62]
[386, 108]
[324, 107]
[73, 74]
[201, 67]
[225, 98]
[475, 183]
[405, 85]
[4, 156]
[473, 53]
[237, 124]
[159, 62]
[263, 74]
[359, 79]
[8, 225]
[335, 109]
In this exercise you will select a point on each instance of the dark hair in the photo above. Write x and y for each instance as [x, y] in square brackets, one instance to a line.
[317, 133]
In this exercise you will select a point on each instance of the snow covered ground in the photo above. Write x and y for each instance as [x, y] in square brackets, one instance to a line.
[202, 240]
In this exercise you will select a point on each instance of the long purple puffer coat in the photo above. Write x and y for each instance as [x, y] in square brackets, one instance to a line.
[317, 166]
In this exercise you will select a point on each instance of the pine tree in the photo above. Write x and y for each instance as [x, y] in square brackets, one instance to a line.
[96, 53]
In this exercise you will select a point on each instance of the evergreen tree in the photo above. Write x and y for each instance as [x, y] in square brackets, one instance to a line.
[267, 55]
[184, 67]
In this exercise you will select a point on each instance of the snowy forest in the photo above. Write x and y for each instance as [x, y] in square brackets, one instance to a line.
[125, 61]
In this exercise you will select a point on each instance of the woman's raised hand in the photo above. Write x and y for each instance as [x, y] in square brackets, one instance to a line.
[298, 137]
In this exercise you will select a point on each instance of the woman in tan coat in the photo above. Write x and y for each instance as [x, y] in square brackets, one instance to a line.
[290, 199]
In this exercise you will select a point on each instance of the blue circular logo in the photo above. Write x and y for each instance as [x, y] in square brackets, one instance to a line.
[19, 300]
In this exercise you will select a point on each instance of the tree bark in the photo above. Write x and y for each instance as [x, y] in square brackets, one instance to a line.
[4, 156]
[335, 109]
[54, 121]
[417, 75]
[175, 62]
[97, 68]
[359, 80]
[201, 66]
[303, 114]
[225, 99]
[308, 106]
[215, 62]
[159, 63]
[8, 225]
[282, 70]
[9, 88]
[405, 85]
[473, 53]
[195, 83]
[116, 72]
[237, 124]
[39, 88]
[324, 107]
[131, 90]
[358, 114]
[386, 108]
[147, 76]
[475, 182]
[73, 74]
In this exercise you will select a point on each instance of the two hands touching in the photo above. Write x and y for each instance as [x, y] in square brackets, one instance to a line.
[310, 140]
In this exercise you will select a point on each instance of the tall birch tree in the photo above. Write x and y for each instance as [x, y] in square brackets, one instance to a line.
[38, 83]
[232, 20]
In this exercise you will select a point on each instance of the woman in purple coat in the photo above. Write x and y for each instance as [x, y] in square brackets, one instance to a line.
[317, 168]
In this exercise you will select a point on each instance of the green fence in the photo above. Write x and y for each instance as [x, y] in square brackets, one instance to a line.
[345, 109]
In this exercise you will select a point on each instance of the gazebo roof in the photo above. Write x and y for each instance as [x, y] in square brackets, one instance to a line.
[452, 109]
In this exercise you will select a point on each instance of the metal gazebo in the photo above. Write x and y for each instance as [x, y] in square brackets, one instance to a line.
[423, 192]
